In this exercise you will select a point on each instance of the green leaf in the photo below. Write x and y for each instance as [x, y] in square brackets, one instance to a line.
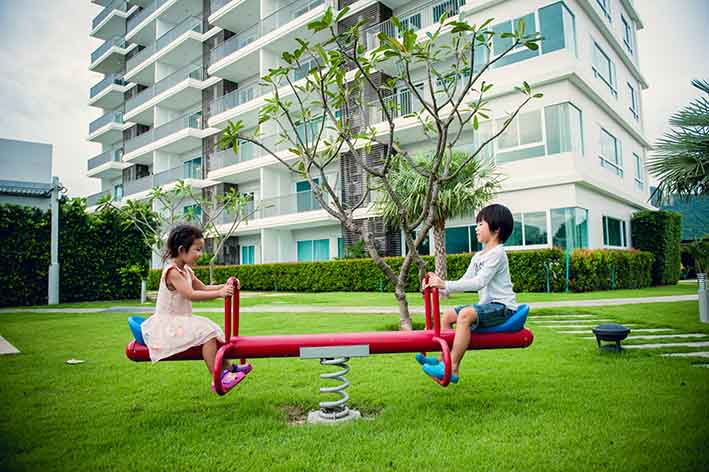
[476, 124]
[531, 45]
[341, 14]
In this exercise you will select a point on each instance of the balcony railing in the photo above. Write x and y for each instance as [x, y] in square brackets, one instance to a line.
[190, 24]
[120, 5]
[299, 202]
[92, 200]
[101, 50]
[191, 71]
[105, 82]
[236, 98]
[161, 178]
[114, 116]
[270, 23]
[191, 120]
[135, 20]
[399, 104]
[215, 5]
[422, 17]
[112, 155]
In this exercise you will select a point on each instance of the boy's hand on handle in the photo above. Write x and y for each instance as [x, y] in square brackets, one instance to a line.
[434, 281]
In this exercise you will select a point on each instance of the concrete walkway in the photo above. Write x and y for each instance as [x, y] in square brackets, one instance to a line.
[7, 348]
[286, 308]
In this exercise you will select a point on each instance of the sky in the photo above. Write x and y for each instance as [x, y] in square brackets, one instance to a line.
[45, 53]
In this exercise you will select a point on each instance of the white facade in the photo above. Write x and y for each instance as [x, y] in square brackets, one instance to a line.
[570, 161]
[25, 173]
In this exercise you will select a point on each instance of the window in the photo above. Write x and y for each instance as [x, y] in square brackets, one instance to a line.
[564, 128]
[633, 101]
[340, 248]
[500, 45]
[604, 69]
[529, 229]
[192, 213]
[558, 27]
[569, 228]
[313, 250]
[117, 192]
[614, 232]
[639, 174]
[610, 153]
[627, 34]
[461, 239]
[606, 7]
[306, 201]
[452, 7]
[247, 254]
[192, 169]
[522, 139]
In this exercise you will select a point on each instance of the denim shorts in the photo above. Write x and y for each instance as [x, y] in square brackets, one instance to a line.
[489, 314]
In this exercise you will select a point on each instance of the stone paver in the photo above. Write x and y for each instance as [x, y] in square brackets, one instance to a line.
[7, 348]
[666, 345]
[661, 336]
[561, 322]
[575, 326]
[687, 354]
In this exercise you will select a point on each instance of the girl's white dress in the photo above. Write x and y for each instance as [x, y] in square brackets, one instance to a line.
[172, 328]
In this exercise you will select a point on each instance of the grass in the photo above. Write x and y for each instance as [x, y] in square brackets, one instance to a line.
[558, 405]
[387, 299]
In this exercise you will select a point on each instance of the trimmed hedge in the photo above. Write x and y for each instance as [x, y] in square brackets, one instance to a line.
[527, 270]
[101, 257]
[659, 232]
[610, 269]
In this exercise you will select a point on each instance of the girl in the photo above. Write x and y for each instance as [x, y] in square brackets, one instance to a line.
[173, 329]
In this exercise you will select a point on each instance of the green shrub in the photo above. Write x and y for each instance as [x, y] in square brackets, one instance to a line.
[609, 269]
[659, 232]
[527, 270]
[101, 257]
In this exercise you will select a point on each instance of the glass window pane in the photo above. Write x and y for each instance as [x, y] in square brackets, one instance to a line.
[457, 240]
[499, 45]
[515, 238]
[305, 251]
[508, 139]
[552, 120]
[321, 249]
[569, 228]
[340, 248]
[530, 127]
[552, 27]
[526, 153]
[535, 228]
[581, 232]
[614, 232]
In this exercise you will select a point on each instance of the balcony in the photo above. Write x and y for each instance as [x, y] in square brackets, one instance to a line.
[165, 179]
[109, 58]
[236, 98]
[177, 136]
[111, 21]
[108, 128]
[180, 90]
[148, 24]
[108, 93]
[236, 60]
[108, 164]
[92, 200]
[421, 18]
[177, 47]
[234, 15]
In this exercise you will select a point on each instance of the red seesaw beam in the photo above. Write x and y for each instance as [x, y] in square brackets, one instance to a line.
[380, 342]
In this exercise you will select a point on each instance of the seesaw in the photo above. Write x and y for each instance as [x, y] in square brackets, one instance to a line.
[337, 348]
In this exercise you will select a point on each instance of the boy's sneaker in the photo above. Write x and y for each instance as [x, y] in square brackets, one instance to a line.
[423, 360]
[229, 380]
[245, 368]
[438, 371]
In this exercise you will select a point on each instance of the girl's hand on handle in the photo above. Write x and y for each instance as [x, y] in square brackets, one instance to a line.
[238, 284]
[434, 281]
[226, 291]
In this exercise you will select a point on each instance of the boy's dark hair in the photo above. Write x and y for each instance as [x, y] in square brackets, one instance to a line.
[181, 235]
[497, 217]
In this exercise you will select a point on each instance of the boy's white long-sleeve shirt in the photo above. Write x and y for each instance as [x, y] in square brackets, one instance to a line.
[489, 275]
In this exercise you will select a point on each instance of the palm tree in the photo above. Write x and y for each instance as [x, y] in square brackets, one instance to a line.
[681, 160]
[471, 189]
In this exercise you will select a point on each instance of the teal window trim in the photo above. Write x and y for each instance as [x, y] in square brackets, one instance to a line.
[639, 173]
[600, 55]
[622, 229]
[614, 162]
[248, 253]
[633, 101]
[606, 8]
[627, 34]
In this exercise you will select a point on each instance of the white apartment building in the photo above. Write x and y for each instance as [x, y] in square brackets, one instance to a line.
[177, 71]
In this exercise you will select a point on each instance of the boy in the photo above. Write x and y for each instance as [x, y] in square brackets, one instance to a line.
[489, 274]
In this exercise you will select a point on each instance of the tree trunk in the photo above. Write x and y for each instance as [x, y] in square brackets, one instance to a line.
[439, 243]
[211, 271]
[404, 317]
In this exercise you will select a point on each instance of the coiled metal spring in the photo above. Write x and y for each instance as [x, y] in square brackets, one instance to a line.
[338, 408]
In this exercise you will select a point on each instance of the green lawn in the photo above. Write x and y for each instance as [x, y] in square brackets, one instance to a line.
[387, 299]
[558, 405]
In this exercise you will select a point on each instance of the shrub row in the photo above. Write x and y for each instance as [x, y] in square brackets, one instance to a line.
[530, 272]
[660, 233]
[100, 256]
